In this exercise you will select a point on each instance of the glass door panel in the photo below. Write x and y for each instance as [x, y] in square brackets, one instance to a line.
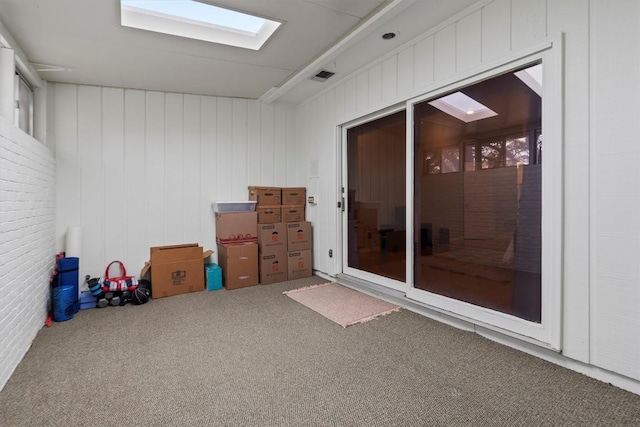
[376, 193]
[477, 194]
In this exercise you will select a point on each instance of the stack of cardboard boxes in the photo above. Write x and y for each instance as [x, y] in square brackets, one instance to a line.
[284, 237]
[237, 239]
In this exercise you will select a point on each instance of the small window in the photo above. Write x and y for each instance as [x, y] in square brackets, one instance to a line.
[538, 151]
[517, 151]
[23, 104]
[431, 162]
[441, 160]
[451, 159]
[470, 157]
[492, 155]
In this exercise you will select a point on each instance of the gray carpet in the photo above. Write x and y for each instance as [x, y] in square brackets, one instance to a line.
[254, 357]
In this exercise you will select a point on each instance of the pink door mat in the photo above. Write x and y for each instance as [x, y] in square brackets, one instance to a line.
[342, 305]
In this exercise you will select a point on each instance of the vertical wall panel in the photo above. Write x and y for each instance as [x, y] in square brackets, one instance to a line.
[362, 91]
[280, 134]
[375, 85]
[496, 30]
[174, 168]
[340, 102]
[326, 195]
[92, 176]
[239, 138]
[572, 17]
[389, 78]
[405, 71]
[134, 176]
[316, 172]
[154, 168]
[191, 166]
[114, 186]
[293, 172]
[69, 212]
[528, 22]
[351, 96]
[469, 41]
[423, 62]
[268, 146]
[254, 156]
[444, 50]
[208, 170]
[224, 160]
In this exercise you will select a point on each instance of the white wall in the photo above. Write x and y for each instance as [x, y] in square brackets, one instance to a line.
[615, 176]
[27, 218]
[138, 169]
[601, 239]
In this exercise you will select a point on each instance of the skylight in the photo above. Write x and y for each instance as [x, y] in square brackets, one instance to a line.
[463, 107]
[196, 20]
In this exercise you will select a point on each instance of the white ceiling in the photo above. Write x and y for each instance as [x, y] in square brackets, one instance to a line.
[85, 39]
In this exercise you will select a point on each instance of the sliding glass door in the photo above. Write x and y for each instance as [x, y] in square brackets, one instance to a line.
[449, 200]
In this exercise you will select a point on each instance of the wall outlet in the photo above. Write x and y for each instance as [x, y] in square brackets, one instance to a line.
[311, 199]
[330, 253]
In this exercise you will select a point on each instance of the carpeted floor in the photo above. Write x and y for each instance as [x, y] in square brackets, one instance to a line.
[254, 357]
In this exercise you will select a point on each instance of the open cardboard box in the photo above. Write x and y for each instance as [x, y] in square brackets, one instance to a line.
[176, 269]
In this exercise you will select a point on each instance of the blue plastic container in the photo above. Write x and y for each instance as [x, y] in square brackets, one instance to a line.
[213, 275]
[64, 301]
[68, 276]
[87, 300]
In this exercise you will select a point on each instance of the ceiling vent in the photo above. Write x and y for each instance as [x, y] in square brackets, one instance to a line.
[322, 76]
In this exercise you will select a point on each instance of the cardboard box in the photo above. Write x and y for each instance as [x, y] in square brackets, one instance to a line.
[239, 264]
[236, 227]
[176, 269]
[299, 236]
[272, 238]
[268, 214]
[273, 268]
[294, 196]
[266, 195]
[292, 213]
[299, 264]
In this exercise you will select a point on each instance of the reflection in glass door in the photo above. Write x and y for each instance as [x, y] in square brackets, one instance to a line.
[376, 207]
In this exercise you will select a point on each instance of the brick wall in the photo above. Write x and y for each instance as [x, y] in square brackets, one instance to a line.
[27, 242]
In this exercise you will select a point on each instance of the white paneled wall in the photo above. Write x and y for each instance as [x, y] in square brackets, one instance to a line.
[27, 257]
[601, 187]
[615, 137]
[138, 169]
